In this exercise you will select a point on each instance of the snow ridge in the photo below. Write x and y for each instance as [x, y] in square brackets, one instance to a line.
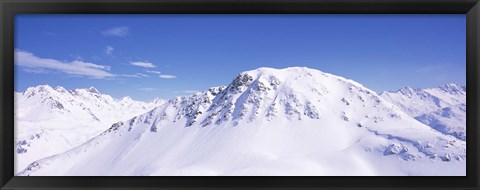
[443, 108]
[53, 120]
[292, 121]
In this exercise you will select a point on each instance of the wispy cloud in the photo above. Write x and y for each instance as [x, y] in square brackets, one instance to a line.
[149, 89]
[142, 64]
[109, 50]
[136, 75]
[131, 76]
[154, 72]
[167, 76]
[121, 31]
[35, 70]
[143, 75]
[31, 62]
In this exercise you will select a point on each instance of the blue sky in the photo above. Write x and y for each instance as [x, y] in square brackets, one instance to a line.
[148, 56]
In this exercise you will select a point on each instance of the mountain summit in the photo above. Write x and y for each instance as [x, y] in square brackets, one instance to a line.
[292, 121]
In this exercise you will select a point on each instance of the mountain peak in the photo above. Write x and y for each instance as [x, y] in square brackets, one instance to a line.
[272, 71]
[126, 99]
[452, 88]
[409, 91]
[158, 101]
[44, 87]
[290, 76]
[40, 89]
[93, 90]
[61, 89]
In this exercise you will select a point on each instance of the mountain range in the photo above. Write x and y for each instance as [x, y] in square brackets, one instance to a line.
[50, 120]
[443, 108]
[292, 121]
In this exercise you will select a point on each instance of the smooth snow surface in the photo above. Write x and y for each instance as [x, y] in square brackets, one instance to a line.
[293, 121]
[50, 120]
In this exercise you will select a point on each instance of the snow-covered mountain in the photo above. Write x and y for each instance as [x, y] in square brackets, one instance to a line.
[443, 108]
[52, 120]
[293, 121]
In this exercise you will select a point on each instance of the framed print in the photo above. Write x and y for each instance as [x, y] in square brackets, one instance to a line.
[229, 94]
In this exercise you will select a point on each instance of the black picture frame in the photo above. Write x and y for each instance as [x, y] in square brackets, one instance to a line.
[9, 8]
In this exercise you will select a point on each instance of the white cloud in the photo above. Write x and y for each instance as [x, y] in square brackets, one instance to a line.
[142, 75]
[131, 76]
[91, 65]
[109, 50]
[167, 76]
[35, 70]
[136, 75]
[143, 64]
[148, 89]
[31, 62]
[154, 72]
[121, 31]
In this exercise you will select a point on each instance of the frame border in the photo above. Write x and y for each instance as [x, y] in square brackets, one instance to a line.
[8, 9]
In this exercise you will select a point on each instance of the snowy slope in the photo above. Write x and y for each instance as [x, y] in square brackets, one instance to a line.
[52, 120]
[293, 121]
[442, 108]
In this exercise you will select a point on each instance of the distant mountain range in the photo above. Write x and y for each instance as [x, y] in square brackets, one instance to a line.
[442, 108]
[52, 120]
[292, 121]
